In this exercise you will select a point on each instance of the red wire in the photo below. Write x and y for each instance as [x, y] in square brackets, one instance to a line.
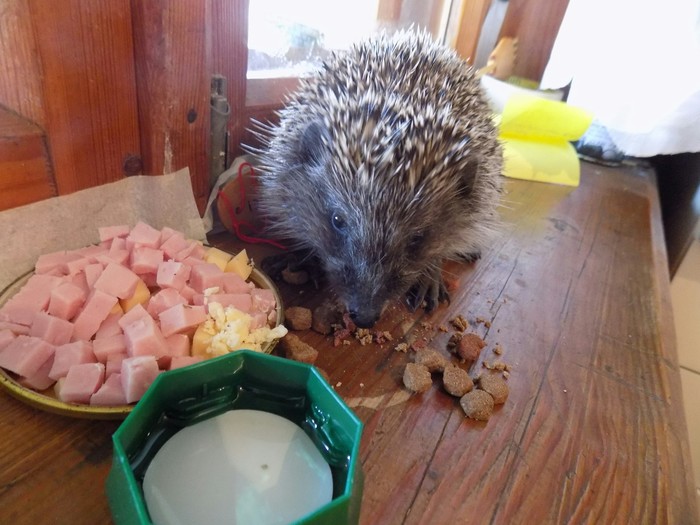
[235, 223]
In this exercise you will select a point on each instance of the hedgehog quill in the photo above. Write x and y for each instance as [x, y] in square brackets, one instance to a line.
[384, 164]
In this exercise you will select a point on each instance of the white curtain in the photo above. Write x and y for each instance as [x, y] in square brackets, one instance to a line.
[635, 64]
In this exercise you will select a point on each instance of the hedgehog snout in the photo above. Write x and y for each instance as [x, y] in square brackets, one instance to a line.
[364, 318]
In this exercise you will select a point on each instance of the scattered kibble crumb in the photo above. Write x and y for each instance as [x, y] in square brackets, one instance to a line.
[460, 323]
[401, 347]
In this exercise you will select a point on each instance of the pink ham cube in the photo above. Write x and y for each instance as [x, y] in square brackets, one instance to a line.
[180, 362]
[117, 280]
[263, 300]
[133, 315]
[77, 265]
[114, 364]
[15, 328]
[33, 297]
[53, 330]
[181, 318]
[110, 393]
[172, 274]
[96, 309]
[68, 355]
[143, 337]
[25, 355]
[40, 380]
[6, 337]
[92, 273]
[143, 234]
[259, 319]
[174, 244]
[138, 373]
[81, 382]
[234, 283]
[107, 233]
[145, 259]
[178, 346]
[108, 346]
[163, 300]
[204, 276]
[239, 301]
[48, 262]
[91, 253]
[110, 326]
[65, 300]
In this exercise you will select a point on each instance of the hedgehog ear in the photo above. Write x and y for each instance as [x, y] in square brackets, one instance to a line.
[468, 177]
[312, 147]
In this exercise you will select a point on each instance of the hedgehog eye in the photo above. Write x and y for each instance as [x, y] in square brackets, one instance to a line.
[338, 222]
[415, 242]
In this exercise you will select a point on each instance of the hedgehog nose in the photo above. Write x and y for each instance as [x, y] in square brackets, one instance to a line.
[364, 319]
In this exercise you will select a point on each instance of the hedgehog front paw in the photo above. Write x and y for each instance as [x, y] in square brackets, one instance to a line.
[280, 266]
[428, 292]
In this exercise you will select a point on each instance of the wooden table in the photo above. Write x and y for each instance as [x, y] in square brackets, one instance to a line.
[576, 292]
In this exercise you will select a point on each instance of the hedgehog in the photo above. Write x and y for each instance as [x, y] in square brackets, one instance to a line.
[384, 164]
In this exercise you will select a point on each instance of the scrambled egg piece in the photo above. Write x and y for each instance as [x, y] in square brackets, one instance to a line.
[228, 329]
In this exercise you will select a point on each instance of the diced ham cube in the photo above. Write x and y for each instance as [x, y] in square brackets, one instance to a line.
[96, 309]
[110, 393]
[180, 362]
[110, 326]
[114, 364]
[174, 244]
[149, 280]
[24, 355]
[47, 262]
[118, 243]
[120, 257]
[163, 300]
[143, 234]
[136, 313]
[240, 301]
[181, 318]
[259, 319]
[234, 283]
[81, 382]
[17, 329]
[108, 346]
[92, 273]
[76, 265]
[65, 300]
[6, 337]
[204, 276]
[178, 346]
[107, 233]
[263, 300]
[33, 297]
[91, 253]
[70, 354]
[40, 380]
[172, 274]
[118, 281]
[143, 337]
[80, 280]
[53, 330]
[138, 373]
[145, 259]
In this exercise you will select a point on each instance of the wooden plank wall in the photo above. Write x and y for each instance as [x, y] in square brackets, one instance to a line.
[122, 87]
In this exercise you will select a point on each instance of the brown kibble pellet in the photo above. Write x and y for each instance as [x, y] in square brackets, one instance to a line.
[291, 277]
[417, 378]
[323, 319]
[495, 385]
[470, 346]
[456, 381]
[477, 404]
[431, 359]
[297, 318]
[297, 350]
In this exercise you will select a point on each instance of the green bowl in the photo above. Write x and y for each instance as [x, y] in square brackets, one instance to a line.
[239, 380]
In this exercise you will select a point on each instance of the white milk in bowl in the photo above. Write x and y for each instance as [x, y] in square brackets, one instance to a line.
[241, 467]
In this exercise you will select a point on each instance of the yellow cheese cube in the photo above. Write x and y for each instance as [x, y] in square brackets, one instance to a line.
[218, 257]
[200, 341]
[141, 295]
[240, 264]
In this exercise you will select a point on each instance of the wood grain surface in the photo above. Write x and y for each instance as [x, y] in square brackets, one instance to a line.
[576, 293]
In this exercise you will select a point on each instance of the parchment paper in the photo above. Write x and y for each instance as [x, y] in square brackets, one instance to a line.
[71, 221]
